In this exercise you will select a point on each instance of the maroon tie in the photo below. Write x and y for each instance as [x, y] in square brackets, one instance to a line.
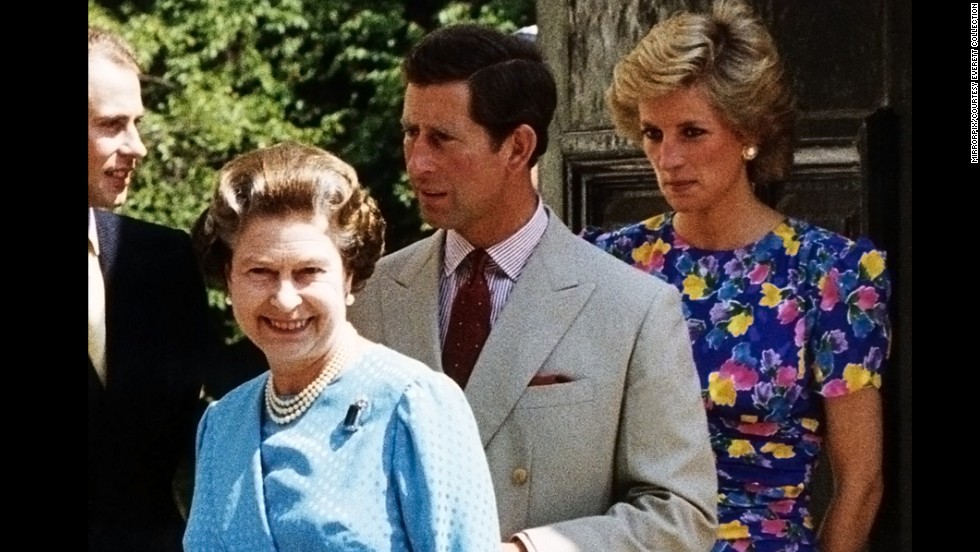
[469, 322]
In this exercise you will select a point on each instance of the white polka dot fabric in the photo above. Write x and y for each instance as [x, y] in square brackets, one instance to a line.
[408, 474]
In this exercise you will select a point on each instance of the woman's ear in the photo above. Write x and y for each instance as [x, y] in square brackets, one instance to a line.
[348, 296]
[748, 140]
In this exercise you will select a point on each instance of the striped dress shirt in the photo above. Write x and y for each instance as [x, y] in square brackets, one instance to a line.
[507, 260]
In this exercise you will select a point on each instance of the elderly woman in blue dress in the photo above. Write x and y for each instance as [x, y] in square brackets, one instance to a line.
[788, 321]
[343, 444]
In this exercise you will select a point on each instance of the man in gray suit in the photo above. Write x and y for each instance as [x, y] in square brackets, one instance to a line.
[584, 389]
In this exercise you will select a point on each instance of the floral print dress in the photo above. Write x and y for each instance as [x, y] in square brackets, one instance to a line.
[775, 326]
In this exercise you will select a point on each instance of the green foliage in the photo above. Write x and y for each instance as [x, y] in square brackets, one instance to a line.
[223, 77]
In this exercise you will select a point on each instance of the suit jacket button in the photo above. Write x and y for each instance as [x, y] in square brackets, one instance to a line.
[519, 477]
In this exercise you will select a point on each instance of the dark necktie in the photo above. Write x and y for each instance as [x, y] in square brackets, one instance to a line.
[469, 322]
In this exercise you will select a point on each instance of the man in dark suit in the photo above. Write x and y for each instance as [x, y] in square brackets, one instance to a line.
[578, 369]
[149, 331]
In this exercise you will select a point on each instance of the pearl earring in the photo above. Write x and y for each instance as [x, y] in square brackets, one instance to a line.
[749, 152]
[350, 299]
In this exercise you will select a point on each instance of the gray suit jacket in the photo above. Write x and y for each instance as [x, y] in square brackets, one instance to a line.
[617, 459]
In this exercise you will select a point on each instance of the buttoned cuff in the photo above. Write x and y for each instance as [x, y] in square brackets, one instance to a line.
[547, 538]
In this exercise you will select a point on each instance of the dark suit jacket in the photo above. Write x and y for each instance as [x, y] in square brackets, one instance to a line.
[158, 339]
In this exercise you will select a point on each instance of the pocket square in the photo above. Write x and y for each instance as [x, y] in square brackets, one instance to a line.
[548, 379]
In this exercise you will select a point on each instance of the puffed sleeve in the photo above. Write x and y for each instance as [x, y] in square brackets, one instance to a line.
[201, 531]
[619, 244]
[443, 480]
[591, 234]
[851, 331]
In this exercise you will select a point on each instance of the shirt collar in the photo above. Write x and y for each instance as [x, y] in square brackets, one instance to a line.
[93, 235]
[510, 254]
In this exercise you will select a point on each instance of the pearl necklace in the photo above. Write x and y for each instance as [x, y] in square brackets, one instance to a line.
[282, 411]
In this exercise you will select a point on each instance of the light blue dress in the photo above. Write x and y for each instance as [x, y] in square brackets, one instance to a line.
[409, 474]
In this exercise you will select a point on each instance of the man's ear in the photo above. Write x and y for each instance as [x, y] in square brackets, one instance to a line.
[520, 146]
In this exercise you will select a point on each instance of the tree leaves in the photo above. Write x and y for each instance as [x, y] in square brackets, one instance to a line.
[223, 77]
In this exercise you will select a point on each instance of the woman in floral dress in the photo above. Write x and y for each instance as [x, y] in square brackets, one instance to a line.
[788, 321]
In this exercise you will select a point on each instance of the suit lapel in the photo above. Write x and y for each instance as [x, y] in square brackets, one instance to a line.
[544, 303]
[411, 306]
[107, 227]
[96, 391]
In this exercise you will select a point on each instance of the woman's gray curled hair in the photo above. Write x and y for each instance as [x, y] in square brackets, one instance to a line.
[287, 180]
[732, 55]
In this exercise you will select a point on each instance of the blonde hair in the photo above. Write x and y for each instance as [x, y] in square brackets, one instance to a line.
[731, 54]
[107, 43]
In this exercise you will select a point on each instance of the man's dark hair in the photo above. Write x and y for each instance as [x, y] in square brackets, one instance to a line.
[510, 84]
